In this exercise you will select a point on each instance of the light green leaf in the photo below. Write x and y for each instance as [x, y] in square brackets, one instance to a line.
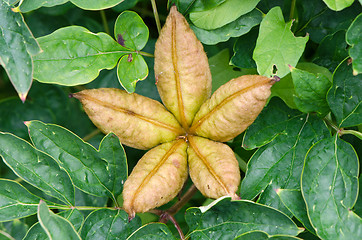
[109, 224]
[225, 13]
[73, 55]
[36, 168]
[243, 50]
[30, 5]
[330, 187]
[354, 38]
[202, 5]
[276, 46]
[131, 69]
[344, 97]
[17, 45]
[240, 26]
[152, 231]
[16, 229]
[95, 4]
[101, 173]
[260, 235]
[338, 5]
[16, 201]
[55, 226]
[130, 30]
[225, 219]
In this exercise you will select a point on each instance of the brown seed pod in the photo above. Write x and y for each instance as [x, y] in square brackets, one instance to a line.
[181, 69]
[138, 121]
[157, 178]
[232, 108]
[213, 168]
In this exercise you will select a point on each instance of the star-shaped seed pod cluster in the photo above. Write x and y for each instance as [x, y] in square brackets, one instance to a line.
[186, 134]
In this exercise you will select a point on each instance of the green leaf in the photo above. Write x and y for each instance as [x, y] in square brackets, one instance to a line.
[109, 224]
[30, 5]
[344, 98]
[131, 69]
[330, 187]
[354, 38]
[55, 226]
[293, 200]
[95, 4]
[276, 45]
[243, 50]
[225, 13]
[17, 45]
[152, 231]
[130, 30]
[310, 91]
[225, 219]
[101, 173]
[338, 5]
[73, 56]
[260, 235]
[16, 201]
[16, 229]
[240, 26]
[202, 5]
[36, 168]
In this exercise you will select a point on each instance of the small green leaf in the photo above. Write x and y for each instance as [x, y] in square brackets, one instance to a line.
[55, 226]
[225, 13]
[131, 69]
[344, 98]
[152, 231]
[130, 30]
[260, 235]
[338, 5]
[330, 187]
[30, 5]
[276, 46]
[95, 4]
[109, 224]
[243, 50]
[16, 201]
[73, 55]
[36, 168]
[354, 38]
[17, 45]
[225, 219]
[240, 26]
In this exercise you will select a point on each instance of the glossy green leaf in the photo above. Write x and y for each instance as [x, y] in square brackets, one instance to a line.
[100, 173]
[344, 98]
[276, 46]
[131, 69]
[16, 201]
[330, 187]
[202, 5]
[338, 5]
[36, 168]
[310, 91]
[354, 38]
[108, 224]
[55, 226]
[225, 219]
[17, 45]
[73, 55]
[225, 13]
[30, 5]
[95, 4]
[243, 50]
[260, 235]
[130, 30]
[240, 26]
[293, 200]
[152, 231]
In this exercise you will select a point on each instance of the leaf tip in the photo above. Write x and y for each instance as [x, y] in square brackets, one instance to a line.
[16, 9]
[278, 190]
[291, 68]
[23, 96]
[27, 123]
[355, 72]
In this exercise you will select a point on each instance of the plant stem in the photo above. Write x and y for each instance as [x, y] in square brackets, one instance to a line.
[104, 21]
[353, 132]
[292, 9]
[184, 199]
[165, 216]
[154, 8]
[91, 135]
[331, 124]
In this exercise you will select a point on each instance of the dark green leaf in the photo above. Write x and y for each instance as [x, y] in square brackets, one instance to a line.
[202, 5]
[225, 219]
[95, 4]
[259, 235]
[100, 173]
[240, 26]
[243, 50]
[276, 46]
[354, 38]
[36, 168]
[338, 5]
[17, 45]
[131, 69]
[125, 5]
[55, 226]
[30, 5]
[130, 30]
[330, 187]
[16, 228]
[152, 231]
[344, 98]
[222, 14]
[73, 55]
[108, 224]
[16, 201]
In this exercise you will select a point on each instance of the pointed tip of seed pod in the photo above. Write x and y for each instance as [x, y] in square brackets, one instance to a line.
[71, 95]
[274, 79]
[131, 216]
